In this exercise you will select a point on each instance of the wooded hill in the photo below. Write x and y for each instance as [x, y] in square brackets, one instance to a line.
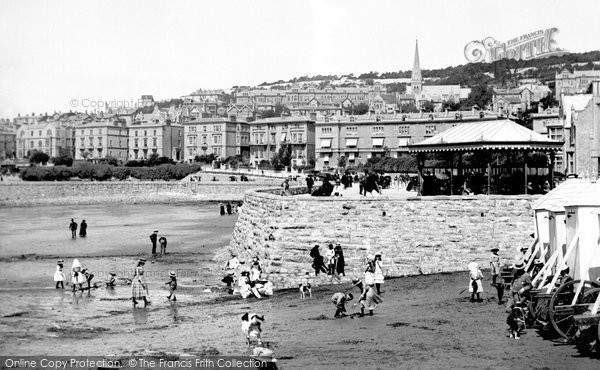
[501, 73]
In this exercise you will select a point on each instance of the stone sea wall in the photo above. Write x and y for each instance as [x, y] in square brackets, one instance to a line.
[415, 236]
[90, 192]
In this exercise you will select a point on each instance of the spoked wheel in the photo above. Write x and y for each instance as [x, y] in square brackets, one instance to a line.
[561, 309]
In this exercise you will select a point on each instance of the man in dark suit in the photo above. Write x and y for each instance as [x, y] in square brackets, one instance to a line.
[73, 227]
[153, 238]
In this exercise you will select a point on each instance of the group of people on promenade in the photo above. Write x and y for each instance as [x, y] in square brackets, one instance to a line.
[82, 229]
[332, 263]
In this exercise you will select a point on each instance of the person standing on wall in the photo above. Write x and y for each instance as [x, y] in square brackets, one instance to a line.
[73, 228]
[153, 238]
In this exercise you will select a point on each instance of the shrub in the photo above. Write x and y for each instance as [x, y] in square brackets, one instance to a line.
[103, 172]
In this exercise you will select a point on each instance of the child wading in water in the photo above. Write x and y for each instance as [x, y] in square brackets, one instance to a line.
[172, 286]
[59, 275]
[339, 300]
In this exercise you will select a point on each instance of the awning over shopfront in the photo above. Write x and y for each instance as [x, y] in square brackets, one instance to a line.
[351, 156]
[378, 141]
[403, 141]
[325, 143]
[351, 142]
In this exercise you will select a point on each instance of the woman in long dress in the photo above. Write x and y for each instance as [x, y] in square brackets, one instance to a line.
[139, 288]
[378, 275]
[340, 263]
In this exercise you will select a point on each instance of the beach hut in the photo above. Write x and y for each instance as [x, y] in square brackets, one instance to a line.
[551, 232]
[581, 254]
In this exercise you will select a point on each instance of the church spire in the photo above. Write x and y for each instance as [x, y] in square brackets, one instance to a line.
[416, 79]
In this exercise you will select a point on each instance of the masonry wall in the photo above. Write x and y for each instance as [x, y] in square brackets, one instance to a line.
[88, 192]
[416, 236]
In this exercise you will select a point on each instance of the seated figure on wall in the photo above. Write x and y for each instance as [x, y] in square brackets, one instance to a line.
[324, 190]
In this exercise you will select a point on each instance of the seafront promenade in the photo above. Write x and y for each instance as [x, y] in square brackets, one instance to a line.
[211, 187]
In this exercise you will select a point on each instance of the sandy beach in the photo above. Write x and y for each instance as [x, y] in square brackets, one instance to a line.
[423, 322]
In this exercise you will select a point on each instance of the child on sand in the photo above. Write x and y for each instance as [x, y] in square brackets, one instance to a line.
[172, 286]
[305, 287]
[369, 300]
[112, 281]
[475, 284]
[251, 327]
[59, 275]
[339, 300]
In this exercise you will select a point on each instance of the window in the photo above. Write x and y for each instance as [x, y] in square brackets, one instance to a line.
[135, 141]
[403, 130]
[91, 132]
[217, 128]
[145, 133]
[326, 130]
[378, 129]
[136, 132]
[216, 139]
[351, 130]
[154, 133]
[203, 128]
[300, 138]
[204, 139]
[179, 133]
[82, 132]
[145, 142]
[430, 130]
[99, 141]
[40, 133]
[82, 141]
[154, 141]
[99, 131]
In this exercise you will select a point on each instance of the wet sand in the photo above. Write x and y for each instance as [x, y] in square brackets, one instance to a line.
[422, 323]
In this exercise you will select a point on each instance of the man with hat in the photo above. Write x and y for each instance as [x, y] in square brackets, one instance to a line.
[521, 285]
[153, 238]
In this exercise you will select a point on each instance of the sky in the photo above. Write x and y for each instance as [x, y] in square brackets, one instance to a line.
[62, 55]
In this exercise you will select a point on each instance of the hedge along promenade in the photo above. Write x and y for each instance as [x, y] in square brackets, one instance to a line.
[103, 172]
[25, 194]
[419, 235]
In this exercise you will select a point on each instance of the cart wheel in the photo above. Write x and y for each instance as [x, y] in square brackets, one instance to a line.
[562, 320]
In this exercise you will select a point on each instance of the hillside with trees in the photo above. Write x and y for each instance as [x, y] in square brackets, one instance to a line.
[500, 73]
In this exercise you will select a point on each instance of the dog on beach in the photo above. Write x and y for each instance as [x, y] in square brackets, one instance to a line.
[251, 327]
[305, 287]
